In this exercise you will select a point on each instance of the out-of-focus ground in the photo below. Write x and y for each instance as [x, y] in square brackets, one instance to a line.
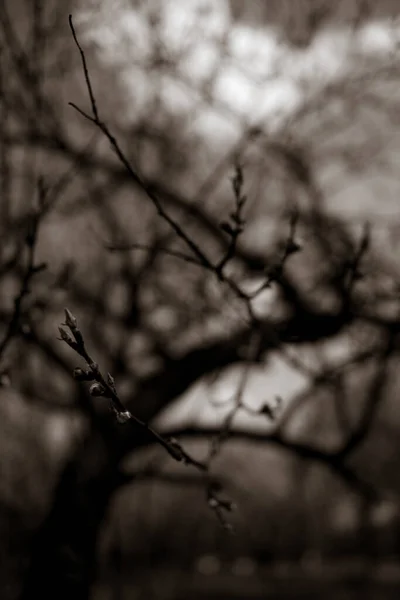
[283, 581]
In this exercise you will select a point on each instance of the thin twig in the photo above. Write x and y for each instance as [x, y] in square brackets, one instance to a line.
[95, 119]
[105, 386]
[146, 248]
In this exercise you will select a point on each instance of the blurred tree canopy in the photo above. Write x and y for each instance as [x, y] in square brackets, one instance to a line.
[220, 212]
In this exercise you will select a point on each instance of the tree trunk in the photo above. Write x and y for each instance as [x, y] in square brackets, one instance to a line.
[64, 550]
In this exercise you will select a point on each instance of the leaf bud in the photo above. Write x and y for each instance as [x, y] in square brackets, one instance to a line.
[96, 389]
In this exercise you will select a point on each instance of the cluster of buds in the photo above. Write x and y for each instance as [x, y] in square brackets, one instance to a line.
[101, 386]
[219, 505]
[235, 226]
[290, 246]
[83, 375]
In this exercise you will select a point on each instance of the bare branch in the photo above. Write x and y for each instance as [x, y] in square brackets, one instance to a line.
[105, 386]
[31, 270]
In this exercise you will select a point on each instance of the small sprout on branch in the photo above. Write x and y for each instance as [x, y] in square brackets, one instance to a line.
[213, 502]
[111, 381]
[96, 389]
[236, 225]
[124, 416]
[227, 505]
[174, 449]
[81, 375]
[237, 181]
[67, 338]
[220, 506]
[271, 408]
[70, 320]
[291, 246]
